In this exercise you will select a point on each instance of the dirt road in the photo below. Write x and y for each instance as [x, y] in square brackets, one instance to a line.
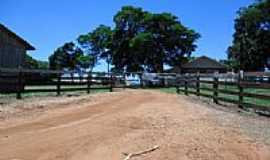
[102, 127]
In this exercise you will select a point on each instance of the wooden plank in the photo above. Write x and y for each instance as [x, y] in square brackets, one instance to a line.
[257, 107]
[255, 85]
[228, 92]
[74, 78]
[39, 90]
[63, 89]
[206, 95]
[257, 74]
[227, 83]
[208, 82]
[207, 89]
[228, 100]
[257, 96]
[192, 92]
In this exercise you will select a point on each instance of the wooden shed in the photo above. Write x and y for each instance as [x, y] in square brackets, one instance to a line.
[12, 55]
[12, 49]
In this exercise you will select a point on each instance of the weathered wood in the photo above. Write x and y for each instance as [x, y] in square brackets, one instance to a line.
[241, 90]
[236, 93]
[255, 85]
[258, 96]
[58, 85]
[19, 85]
[215, 87]
[198, 85]
[228, 100]
[111, 83]
[89, 79]
[186, 86]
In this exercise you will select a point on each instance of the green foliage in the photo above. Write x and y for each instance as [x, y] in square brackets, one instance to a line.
[86, 62]
[252, 36]
[97, 43]
[71, 57]
[31, 63]
[141, 41]
[147, 41]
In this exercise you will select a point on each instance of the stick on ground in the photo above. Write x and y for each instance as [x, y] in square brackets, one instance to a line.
[130, 155]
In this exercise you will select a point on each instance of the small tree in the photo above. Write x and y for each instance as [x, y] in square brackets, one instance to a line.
[31, 63]
[66, 56]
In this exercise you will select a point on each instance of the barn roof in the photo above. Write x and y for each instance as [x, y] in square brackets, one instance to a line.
[18, 38]
[204, 63]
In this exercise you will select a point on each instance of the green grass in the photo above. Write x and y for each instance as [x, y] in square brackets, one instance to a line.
[168, 90]
[249, 100]
[3, 97]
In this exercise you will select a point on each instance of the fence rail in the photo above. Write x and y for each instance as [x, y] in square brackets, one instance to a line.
[21, 81]
[230, 87]
[239, 91]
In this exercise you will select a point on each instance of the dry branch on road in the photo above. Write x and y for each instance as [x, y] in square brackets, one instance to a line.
[130, 155]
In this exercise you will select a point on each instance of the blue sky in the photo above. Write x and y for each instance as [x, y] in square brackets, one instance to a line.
[48, 24]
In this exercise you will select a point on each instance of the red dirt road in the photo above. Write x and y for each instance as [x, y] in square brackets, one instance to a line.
[102, 127]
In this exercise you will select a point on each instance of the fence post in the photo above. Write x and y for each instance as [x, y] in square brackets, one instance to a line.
[241, 89]
[124, 79]
[186, 86]
[141, 80]
[89, 80]
[215, 86]
[19, 84]
[177, 85]
[198, 84]
[58, 84]
[111, 82]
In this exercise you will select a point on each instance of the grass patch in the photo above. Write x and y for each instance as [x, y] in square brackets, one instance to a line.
[255, 101]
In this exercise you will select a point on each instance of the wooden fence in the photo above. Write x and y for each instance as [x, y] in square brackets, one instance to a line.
[242, 90]
[21, 81]
[235, 89]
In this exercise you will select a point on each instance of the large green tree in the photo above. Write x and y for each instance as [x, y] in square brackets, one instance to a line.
[147, 41]
[141, 41]
[251, 44]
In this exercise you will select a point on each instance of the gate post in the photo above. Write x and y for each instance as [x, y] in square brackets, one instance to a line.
[215, 96]
[186, 86]
[58, 84]
[89, 80]
[241, 89]
[111, 82]
[19, 84]
[177, 85]
[198, 84]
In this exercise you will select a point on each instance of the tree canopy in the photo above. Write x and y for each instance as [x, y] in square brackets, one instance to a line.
[251, 45]
[141, 41]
